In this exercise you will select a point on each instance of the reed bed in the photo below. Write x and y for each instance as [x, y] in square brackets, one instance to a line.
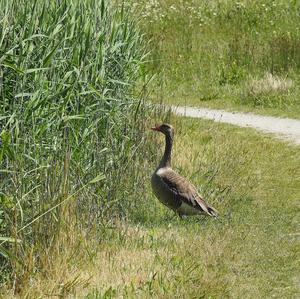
[71, 123]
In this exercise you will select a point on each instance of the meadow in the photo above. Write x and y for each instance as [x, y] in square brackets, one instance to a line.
[251, 251]
[77, 215]
[237, 55]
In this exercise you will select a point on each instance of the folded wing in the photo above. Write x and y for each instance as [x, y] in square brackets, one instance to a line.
[186, 192]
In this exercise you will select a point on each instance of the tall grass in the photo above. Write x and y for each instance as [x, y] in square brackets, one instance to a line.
[206, 53]
[71, 124]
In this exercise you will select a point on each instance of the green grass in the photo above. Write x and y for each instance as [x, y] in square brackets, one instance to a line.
[219, 54]
[78, 218]
[251, 251]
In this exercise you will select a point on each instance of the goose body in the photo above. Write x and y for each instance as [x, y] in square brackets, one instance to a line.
[173, 190]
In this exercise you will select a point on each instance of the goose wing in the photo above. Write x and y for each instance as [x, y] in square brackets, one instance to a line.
[183, 190]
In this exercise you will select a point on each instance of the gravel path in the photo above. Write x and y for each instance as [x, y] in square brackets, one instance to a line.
[284, 128]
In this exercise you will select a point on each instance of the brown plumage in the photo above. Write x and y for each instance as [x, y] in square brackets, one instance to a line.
[173, 190]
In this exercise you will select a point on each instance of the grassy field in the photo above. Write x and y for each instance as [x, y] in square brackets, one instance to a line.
[251, 251]
[241, 55]
[77, 215]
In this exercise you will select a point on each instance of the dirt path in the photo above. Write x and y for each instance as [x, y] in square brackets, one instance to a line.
[284, 128]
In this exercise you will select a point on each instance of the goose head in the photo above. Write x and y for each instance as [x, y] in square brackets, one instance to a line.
[164, 128]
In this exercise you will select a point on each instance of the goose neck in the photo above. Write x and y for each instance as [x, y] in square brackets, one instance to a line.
[166, 159]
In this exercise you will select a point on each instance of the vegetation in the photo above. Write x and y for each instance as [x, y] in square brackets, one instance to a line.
[241, 55]
[77, 216]
[250, 251]
[71, 126]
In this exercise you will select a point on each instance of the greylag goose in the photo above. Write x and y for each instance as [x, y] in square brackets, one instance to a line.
[173, 190]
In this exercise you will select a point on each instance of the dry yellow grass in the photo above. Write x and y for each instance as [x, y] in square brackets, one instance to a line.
[268, 84]
[157, 256]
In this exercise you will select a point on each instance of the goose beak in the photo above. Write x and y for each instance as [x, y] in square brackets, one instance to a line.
[156, 128]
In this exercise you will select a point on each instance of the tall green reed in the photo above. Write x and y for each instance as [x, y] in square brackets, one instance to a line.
[70, 123]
